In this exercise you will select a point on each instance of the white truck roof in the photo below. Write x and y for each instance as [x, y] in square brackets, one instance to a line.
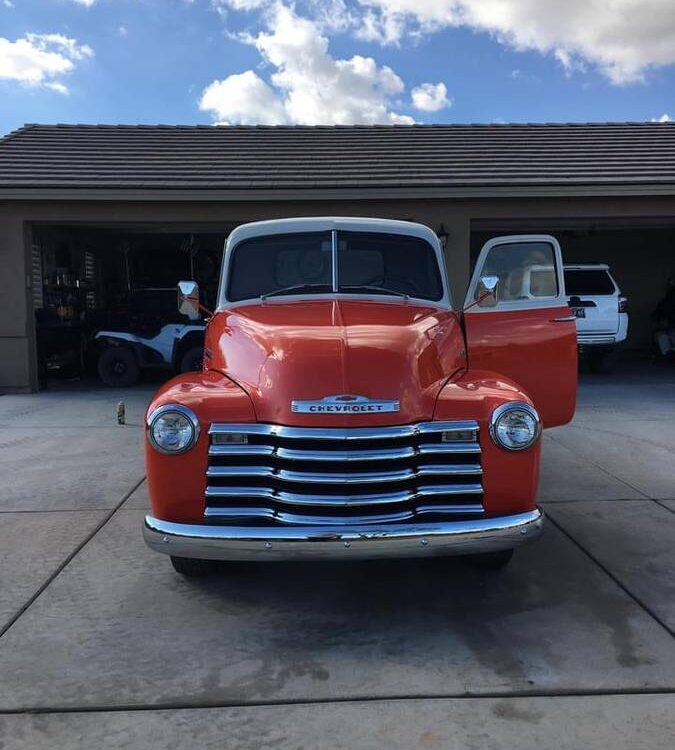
[329, 223]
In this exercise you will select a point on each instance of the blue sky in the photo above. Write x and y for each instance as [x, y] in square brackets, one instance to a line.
[335, 61]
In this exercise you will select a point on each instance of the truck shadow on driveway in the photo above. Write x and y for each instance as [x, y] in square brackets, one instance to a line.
[118, 627]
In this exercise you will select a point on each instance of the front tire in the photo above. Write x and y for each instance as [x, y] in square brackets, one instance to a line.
[118, 368]
[490, 560]
[191, 567]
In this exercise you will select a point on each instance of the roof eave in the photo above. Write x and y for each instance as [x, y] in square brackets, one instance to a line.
[200, 195]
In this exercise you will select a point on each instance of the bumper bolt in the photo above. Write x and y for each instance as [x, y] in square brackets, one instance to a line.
[348, 544]
[268, 545]
[424, 542]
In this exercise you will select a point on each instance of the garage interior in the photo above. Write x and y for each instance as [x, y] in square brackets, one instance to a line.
[82, 275]
[86, 279]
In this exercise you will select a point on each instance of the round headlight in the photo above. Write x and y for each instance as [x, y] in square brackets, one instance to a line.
[514, 426]
[173, 429]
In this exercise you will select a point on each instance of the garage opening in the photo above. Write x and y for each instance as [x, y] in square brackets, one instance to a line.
[638, 254]
[99, 287]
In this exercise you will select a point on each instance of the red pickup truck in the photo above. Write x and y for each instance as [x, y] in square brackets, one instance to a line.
[347, 409]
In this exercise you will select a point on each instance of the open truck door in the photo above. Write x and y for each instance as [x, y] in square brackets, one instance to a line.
[518, 322]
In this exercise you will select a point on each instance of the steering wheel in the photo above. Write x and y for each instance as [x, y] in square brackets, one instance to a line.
[399, 283]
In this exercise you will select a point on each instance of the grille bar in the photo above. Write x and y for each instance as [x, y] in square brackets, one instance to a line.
[234, 513]
[262, 513]
[346, 433]
[390, 454]
[310, 477]
[296, 498]
[304, 475]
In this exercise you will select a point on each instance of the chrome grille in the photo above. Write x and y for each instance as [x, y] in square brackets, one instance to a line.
[360, 475]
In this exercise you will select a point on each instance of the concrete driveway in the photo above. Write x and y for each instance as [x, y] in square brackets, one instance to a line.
[103, 645]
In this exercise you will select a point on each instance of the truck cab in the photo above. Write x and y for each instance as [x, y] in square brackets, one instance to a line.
[347, 408]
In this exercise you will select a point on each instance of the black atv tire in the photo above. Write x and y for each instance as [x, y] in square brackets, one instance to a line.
[192, 360]
[117, 367]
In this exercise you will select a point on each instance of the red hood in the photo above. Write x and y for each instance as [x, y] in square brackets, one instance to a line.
[279, 352]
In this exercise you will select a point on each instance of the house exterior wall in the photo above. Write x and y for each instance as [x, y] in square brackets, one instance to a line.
[17, 345]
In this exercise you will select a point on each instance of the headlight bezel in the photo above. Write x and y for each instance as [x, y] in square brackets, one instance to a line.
[500, 411]
[162, 411]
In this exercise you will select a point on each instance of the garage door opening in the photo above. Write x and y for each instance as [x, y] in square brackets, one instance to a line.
[639, 256]
[89, 281]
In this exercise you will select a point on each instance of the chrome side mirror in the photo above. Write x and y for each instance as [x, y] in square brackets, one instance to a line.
[188, 299]
[486, 293]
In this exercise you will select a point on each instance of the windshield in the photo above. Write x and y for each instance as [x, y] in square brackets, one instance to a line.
[368, 263]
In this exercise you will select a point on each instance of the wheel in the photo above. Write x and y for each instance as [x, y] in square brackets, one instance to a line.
[490, 560]
[191, 361]
[191, 567]
[602, 360]
[118, 368]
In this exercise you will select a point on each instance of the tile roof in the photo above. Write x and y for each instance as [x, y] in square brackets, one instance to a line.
[191, 158]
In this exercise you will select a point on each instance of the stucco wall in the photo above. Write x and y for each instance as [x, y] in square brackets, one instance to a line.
[16, 328]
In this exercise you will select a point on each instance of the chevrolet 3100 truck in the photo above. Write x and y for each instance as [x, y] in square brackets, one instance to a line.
[348, 409]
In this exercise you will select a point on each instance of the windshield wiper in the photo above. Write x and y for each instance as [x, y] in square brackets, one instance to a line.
[372, 288]
[295, 289]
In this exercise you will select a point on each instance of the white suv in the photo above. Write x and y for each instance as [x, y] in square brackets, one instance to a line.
[600, 310]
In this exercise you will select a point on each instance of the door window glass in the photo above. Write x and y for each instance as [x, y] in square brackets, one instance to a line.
[526, 271]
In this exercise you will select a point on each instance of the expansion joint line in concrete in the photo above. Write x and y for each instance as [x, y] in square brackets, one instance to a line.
[614, 578]
[290, 702]
[65, 562]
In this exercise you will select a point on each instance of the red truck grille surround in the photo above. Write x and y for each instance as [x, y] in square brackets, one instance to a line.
[261, 474]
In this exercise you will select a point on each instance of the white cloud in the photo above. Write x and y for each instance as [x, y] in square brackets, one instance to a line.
[308, 85]
[239, 4]
[8, 3]
[122, 31]
[60, 88]
[41, 59]
[222, 6]
[244, 99]
[86, 3]
[622, 38]
[430, 97]
[665, 117]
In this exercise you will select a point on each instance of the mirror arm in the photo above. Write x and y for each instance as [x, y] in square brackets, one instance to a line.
[476, 301]
[208, 313]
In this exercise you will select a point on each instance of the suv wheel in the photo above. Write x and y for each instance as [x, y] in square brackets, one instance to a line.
[602, 360]
[118, 368]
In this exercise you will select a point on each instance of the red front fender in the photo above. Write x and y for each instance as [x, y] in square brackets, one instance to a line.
[176, 483]
[510, 478]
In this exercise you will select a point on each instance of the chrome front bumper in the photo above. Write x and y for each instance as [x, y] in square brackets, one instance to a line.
[212, 542]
